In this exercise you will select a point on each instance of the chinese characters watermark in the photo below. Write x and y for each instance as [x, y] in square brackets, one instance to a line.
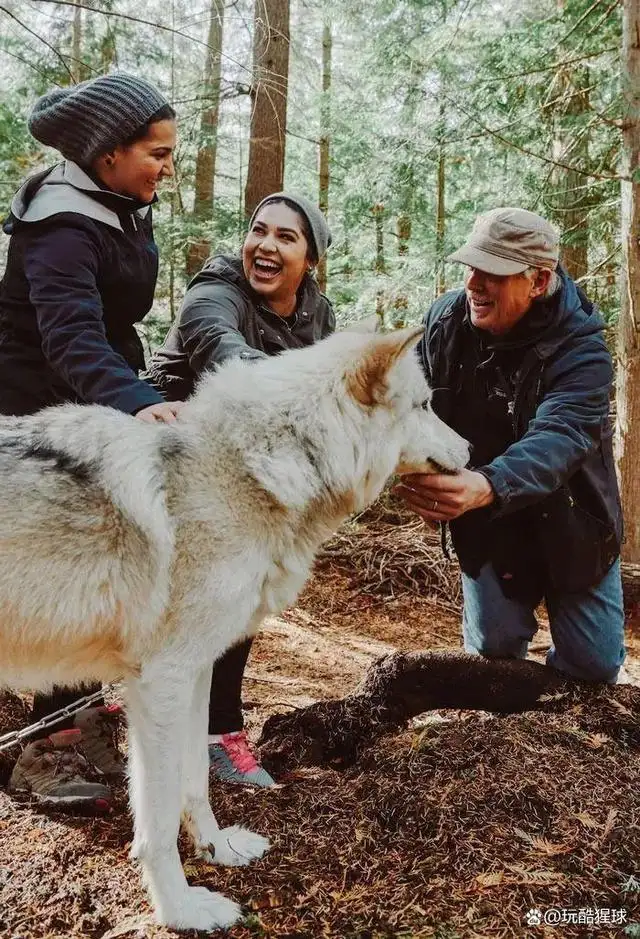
[559, 916]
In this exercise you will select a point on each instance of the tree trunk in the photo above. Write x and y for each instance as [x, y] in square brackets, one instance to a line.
[573, 193]
[380, 266]
[265, 173]
[401, 303]
[441, 137]
[406, 187]
[76, 45]
[571, 145]
[325, 140]
[628, 375]
[200, 247]
[440, 203]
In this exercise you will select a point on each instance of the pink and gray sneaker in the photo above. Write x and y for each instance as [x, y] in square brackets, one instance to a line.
[232, 760]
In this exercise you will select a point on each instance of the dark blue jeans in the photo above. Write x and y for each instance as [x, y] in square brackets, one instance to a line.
[587, 628]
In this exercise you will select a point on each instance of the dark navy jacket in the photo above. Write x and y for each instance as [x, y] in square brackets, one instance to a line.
[535, 405]
[222, 318]
[81, 270]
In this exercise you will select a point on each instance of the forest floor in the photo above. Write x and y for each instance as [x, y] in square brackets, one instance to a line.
[454, 828]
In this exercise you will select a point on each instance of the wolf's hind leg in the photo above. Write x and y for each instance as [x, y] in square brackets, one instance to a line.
[232, 846]
[158, 706]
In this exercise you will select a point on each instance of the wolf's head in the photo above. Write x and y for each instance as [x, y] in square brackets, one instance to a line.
[385, 383]
[336, 419]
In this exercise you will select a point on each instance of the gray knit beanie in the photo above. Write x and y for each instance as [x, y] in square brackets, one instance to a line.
[91, 118]
[320, 233]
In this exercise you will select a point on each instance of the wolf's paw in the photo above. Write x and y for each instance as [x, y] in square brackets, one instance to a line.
[199, 908]
[235, 846]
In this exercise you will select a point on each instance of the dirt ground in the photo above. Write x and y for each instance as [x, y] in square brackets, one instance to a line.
[455, 828]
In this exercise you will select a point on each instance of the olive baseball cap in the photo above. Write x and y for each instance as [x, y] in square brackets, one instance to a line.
[508, 241]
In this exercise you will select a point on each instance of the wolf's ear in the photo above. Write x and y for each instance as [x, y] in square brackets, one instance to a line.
[367, 383]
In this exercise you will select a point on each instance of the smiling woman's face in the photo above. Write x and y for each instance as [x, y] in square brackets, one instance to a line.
[136, 169]
[275, 253]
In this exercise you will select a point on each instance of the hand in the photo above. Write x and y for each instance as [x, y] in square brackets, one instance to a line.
[441, 497]
[164, 413]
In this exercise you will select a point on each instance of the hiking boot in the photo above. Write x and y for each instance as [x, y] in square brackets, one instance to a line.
[232, 760]
[54, 773]
[99, 739]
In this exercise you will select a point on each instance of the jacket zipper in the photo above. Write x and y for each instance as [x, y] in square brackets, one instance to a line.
[518, 392]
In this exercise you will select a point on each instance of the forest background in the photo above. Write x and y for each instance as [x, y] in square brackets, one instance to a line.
[432, 111]
[403, 118]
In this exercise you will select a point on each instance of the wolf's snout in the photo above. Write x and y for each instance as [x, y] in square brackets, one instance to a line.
[454, 458]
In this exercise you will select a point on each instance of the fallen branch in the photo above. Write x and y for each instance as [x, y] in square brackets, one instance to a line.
[400, 686]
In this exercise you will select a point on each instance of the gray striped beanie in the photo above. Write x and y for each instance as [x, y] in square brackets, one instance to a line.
[91, 118]
[320, 234]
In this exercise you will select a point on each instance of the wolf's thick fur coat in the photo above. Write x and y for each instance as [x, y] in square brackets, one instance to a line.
[145, 551]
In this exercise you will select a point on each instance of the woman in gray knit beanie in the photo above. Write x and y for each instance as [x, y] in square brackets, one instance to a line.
[95, 123]
[81, 271]
[248, 306]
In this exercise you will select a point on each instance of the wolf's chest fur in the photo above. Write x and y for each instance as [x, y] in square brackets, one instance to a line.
[284, 579]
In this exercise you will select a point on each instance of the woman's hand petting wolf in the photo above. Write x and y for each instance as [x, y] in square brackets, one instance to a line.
[439, 497]
[164, 413]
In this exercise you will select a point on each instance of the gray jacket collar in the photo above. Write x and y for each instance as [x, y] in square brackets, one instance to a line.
[67, 188]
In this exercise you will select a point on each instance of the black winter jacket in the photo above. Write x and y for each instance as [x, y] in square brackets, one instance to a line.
[81, 270]
[223, 318]
[535, 405]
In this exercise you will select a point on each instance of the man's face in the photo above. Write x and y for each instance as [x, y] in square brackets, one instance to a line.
[497, 302]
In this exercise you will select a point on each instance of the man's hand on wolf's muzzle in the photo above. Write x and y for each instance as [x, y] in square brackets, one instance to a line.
[440, 497]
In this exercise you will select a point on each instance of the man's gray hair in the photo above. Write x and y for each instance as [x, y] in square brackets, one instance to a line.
[554, 284]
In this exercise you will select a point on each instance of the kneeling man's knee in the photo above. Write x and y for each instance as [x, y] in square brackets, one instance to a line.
[496, 646]
[602, 665]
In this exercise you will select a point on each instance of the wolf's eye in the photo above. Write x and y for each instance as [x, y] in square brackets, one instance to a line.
[426, 404]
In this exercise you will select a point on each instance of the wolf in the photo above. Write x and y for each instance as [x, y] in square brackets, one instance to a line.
[143, 552]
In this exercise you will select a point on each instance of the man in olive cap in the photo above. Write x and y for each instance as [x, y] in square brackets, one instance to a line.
[518, 365]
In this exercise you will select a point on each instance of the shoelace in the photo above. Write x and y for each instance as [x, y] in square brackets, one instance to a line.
[70, 765]
[109, 726]
[238, 749]
[65, 765]
[105, 733]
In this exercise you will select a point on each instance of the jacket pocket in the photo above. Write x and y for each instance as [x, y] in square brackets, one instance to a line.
[577, 547]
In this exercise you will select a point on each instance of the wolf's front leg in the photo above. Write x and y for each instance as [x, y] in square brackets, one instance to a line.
[232, 846]
[158, 710]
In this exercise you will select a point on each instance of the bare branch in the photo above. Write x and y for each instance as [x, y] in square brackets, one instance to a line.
[143, 22]
[591, 274]
[525, 150]
[58, 55]
[577, 23]
[26, 62]
[550, 68]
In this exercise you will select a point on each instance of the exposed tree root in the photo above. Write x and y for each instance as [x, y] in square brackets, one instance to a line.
[402, 685]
